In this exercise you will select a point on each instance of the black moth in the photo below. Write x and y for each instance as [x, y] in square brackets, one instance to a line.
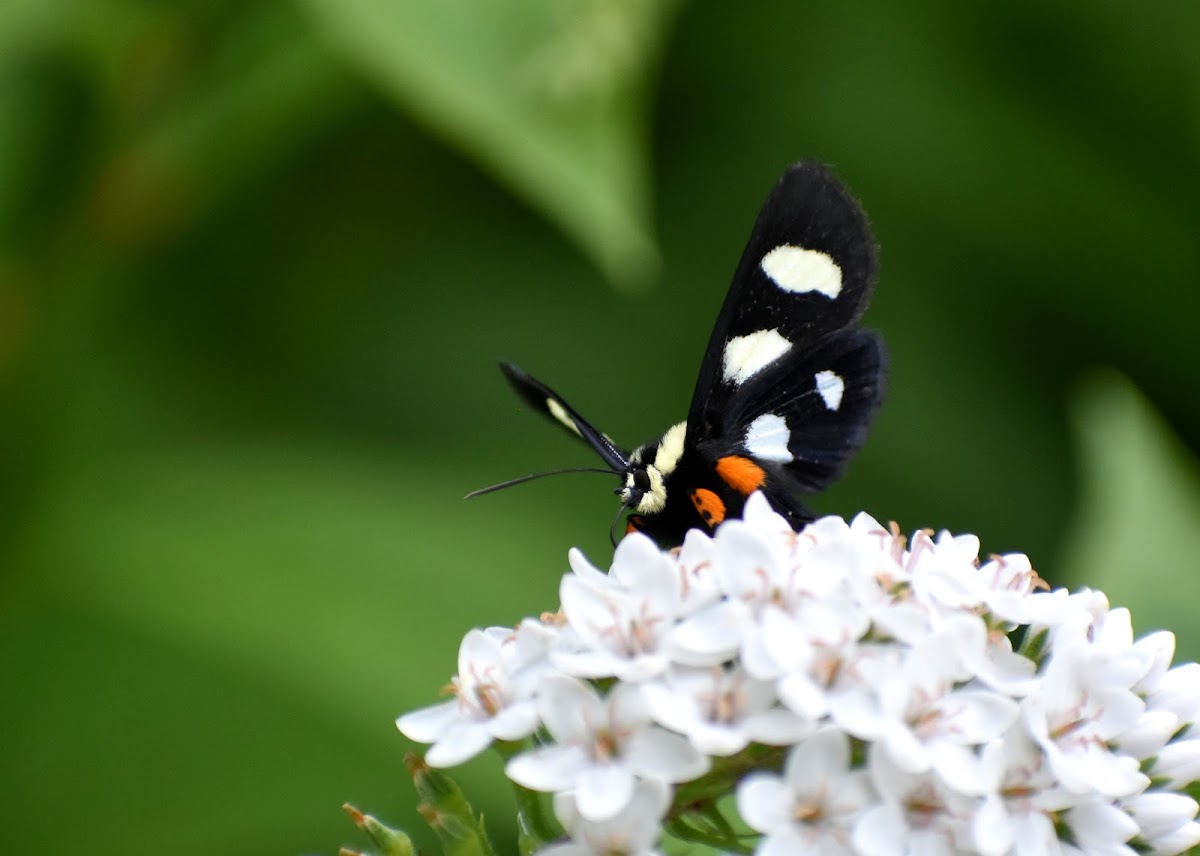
[789, 383]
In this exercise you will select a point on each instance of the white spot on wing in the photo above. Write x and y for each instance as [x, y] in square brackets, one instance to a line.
[767, 438]
[670, 449]
[831, 386]
[746, 356]
[559, 413]
[799, 270]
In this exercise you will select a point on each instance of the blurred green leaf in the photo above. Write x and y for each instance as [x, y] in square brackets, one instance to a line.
[1136, 533]
[192, 592]
[549, 97]
[236, 114]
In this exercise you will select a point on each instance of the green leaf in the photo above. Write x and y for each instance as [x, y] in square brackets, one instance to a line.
[547, 97]
[391, 842]
[1135, 534]
[459, 828]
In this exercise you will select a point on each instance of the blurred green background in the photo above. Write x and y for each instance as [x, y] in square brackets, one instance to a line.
[257, 261]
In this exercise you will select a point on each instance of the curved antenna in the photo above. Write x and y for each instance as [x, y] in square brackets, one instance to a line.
[532, 476]
[613, 525]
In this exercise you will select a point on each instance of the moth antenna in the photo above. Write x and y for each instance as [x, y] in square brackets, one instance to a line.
[532, 476]
[613, 525]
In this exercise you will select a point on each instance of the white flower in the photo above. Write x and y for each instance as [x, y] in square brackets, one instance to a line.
[1178, 763]
[721, 711]
[1100, 827]
[698, 585]
[926, 717]
[1009, 581]
[1159, 814]
[624, 618]
[1020, 810]
[813, 806]
[1177, 841]
[1178, 691]
[493, 697]
[631, 832]
[916, 814]
[1074, 715]
[602, 746]
[885, 669]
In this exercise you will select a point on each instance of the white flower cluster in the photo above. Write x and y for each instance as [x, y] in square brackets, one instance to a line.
[885, 674]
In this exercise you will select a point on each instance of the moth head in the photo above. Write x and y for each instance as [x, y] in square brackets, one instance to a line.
[643, 490]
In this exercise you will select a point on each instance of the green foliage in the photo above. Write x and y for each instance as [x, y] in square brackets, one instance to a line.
[257, 262]
[548, 96]
[1135, 534]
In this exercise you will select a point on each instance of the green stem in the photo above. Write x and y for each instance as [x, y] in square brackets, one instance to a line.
[684, 830]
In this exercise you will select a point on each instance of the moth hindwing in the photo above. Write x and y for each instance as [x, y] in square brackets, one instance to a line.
[788, 384]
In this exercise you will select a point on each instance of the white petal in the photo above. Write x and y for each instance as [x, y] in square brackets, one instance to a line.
[747, 561]
[817, 760]
[788, 841]
[515, 722]
[458, 745]
[591, 611]
[710, 636]
[1151, 733]
[1100, 826]
[479, 652]
[852, 794]
[1119, 712]
[977, 716]
[720, 741]
[697, 582]
[764, 802]
[1160, 647]
[429, 723]
[603, 790]
[1179, 763]
[585, 570]
[1036, 835]
[777, 727]
[530, 644]
[930, 842]
[1179, 691]
[550, 768]
[1093, 768]
[905, 750]
[991, 831]
[628, 709]
[588, 664]
[1161, 812]
[642, 667]
[1184, 838]
[633, 830]
[1006, 671]
[858, 712]
[959, 767]
[659, 754]
[803, 696]
[567, 707]
[785, 641]
[670, 706]
[881, 831]
[642, 567]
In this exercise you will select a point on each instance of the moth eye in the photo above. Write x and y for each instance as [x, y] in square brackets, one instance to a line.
[641, 480]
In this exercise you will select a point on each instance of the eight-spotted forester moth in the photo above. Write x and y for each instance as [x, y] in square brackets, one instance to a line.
[789, 383]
